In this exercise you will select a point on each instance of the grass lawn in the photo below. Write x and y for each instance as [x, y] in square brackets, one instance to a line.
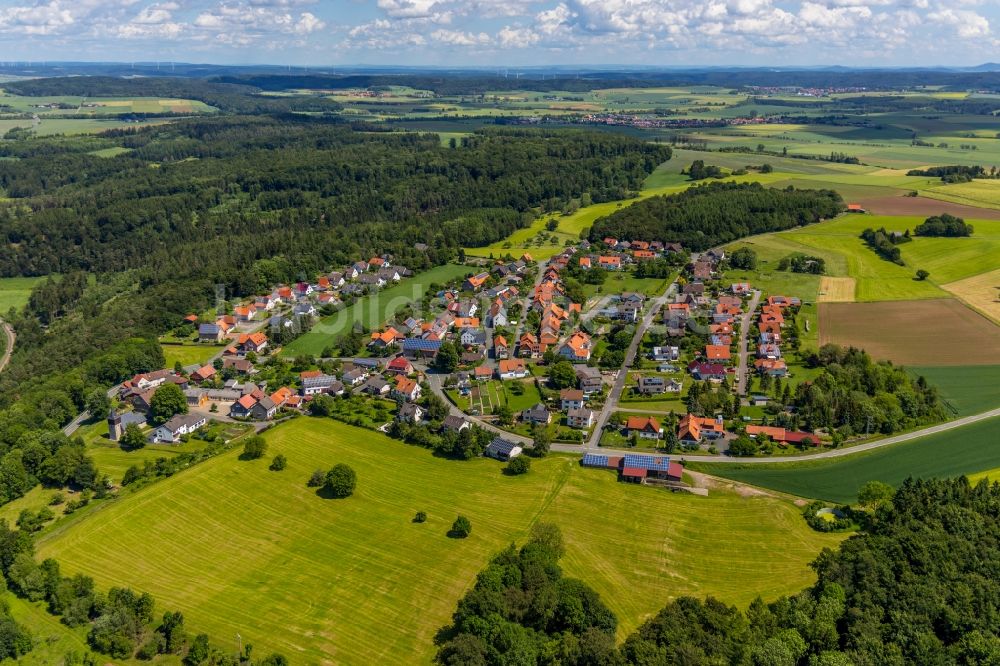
[238, 548]
[963, 450]
[373, 310]
[189, 354]
[968, 389]
[14, 292]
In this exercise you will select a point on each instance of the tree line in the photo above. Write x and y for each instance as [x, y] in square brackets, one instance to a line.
[709, 215]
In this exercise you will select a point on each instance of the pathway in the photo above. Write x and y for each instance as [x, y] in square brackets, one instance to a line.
[8, 332]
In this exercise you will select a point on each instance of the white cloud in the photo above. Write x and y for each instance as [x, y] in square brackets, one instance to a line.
[967, 24]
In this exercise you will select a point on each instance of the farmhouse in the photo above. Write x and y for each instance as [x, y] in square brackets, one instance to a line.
[636, 468]
[421, 348]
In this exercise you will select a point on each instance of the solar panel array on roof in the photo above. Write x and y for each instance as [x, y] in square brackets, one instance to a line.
[594, 460]
[501, 446]
[420, 344]
[655, 463]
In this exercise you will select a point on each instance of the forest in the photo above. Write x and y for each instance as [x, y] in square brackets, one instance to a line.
[917, 585]
[709, 215]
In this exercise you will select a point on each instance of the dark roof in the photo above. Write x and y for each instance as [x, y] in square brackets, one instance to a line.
[454, 422]
[657, 463]
[500, 446]
[420, 344]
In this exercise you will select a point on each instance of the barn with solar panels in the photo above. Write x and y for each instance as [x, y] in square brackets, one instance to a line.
[420, 348]
[636, 468]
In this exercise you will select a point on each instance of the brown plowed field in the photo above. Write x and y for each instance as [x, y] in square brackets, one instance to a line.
[925, 207]
[939, 331]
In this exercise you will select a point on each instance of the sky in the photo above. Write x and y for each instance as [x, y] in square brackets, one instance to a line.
[505, 32]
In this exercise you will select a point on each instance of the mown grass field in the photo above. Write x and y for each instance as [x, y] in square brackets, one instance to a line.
[981, 292]
[14, 292]
[238, 548]
[189, 354]
[373, 310]
[965, 450]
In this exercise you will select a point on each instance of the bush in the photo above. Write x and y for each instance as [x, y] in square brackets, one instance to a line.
[461, 528]
[255, 447]
[340, 481]
[421, 517]
[278, 463]
[518, 465]
[317, 479]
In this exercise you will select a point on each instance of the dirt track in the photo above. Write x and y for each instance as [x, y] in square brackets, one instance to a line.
[926, 207]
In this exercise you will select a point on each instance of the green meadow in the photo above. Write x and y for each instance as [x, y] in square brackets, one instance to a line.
[238, 548]
[14, 292]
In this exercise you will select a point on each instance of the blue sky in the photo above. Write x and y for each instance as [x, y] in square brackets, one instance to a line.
[505, 32]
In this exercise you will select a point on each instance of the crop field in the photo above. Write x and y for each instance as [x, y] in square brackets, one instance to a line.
[924, 207]
[373, 310]
[967, 389]
[923, 333]
[981, 292]
[238, 548]
[965, 450]
[14, 292]
[983, 193]
[836, 289]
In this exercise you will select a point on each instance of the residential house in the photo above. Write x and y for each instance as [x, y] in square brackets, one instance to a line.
[512, 368]
[482, 373]
[577, 348]
[410, 412]
[500, 349]
[571, 399]
[178, 426]
[475, 282]
[407, 389]
[203, 374]
[783, 436]
[376, 386]
[387, 338]
[536, 415]
[196, 397]
[352, 377]
[589, 379]
[243, 407]
[252, 342]
[240, 365]
[305, 309]
[740, 288]
[717, 353]
[210, 333]
[399, 366]
[581, 418]
[472, 337]
[646, 427]
[610, 263]
[665, 353]
[502, 449]
[772, 367]
[768, 350]
[454, 423]
[313, 382]
[264, 409]
[245, 312]
[693, 428]
[651, 385]
[707, 371]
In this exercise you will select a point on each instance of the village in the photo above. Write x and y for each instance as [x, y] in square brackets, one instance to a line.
[526, 350]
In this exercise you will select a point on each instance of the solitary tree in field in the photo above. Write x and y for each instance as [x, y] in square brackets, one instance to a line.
[340, 481]
[255, 447]
[517, 466]
[167, 401]
[922, 274]
[461, 528]
[278, 463]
